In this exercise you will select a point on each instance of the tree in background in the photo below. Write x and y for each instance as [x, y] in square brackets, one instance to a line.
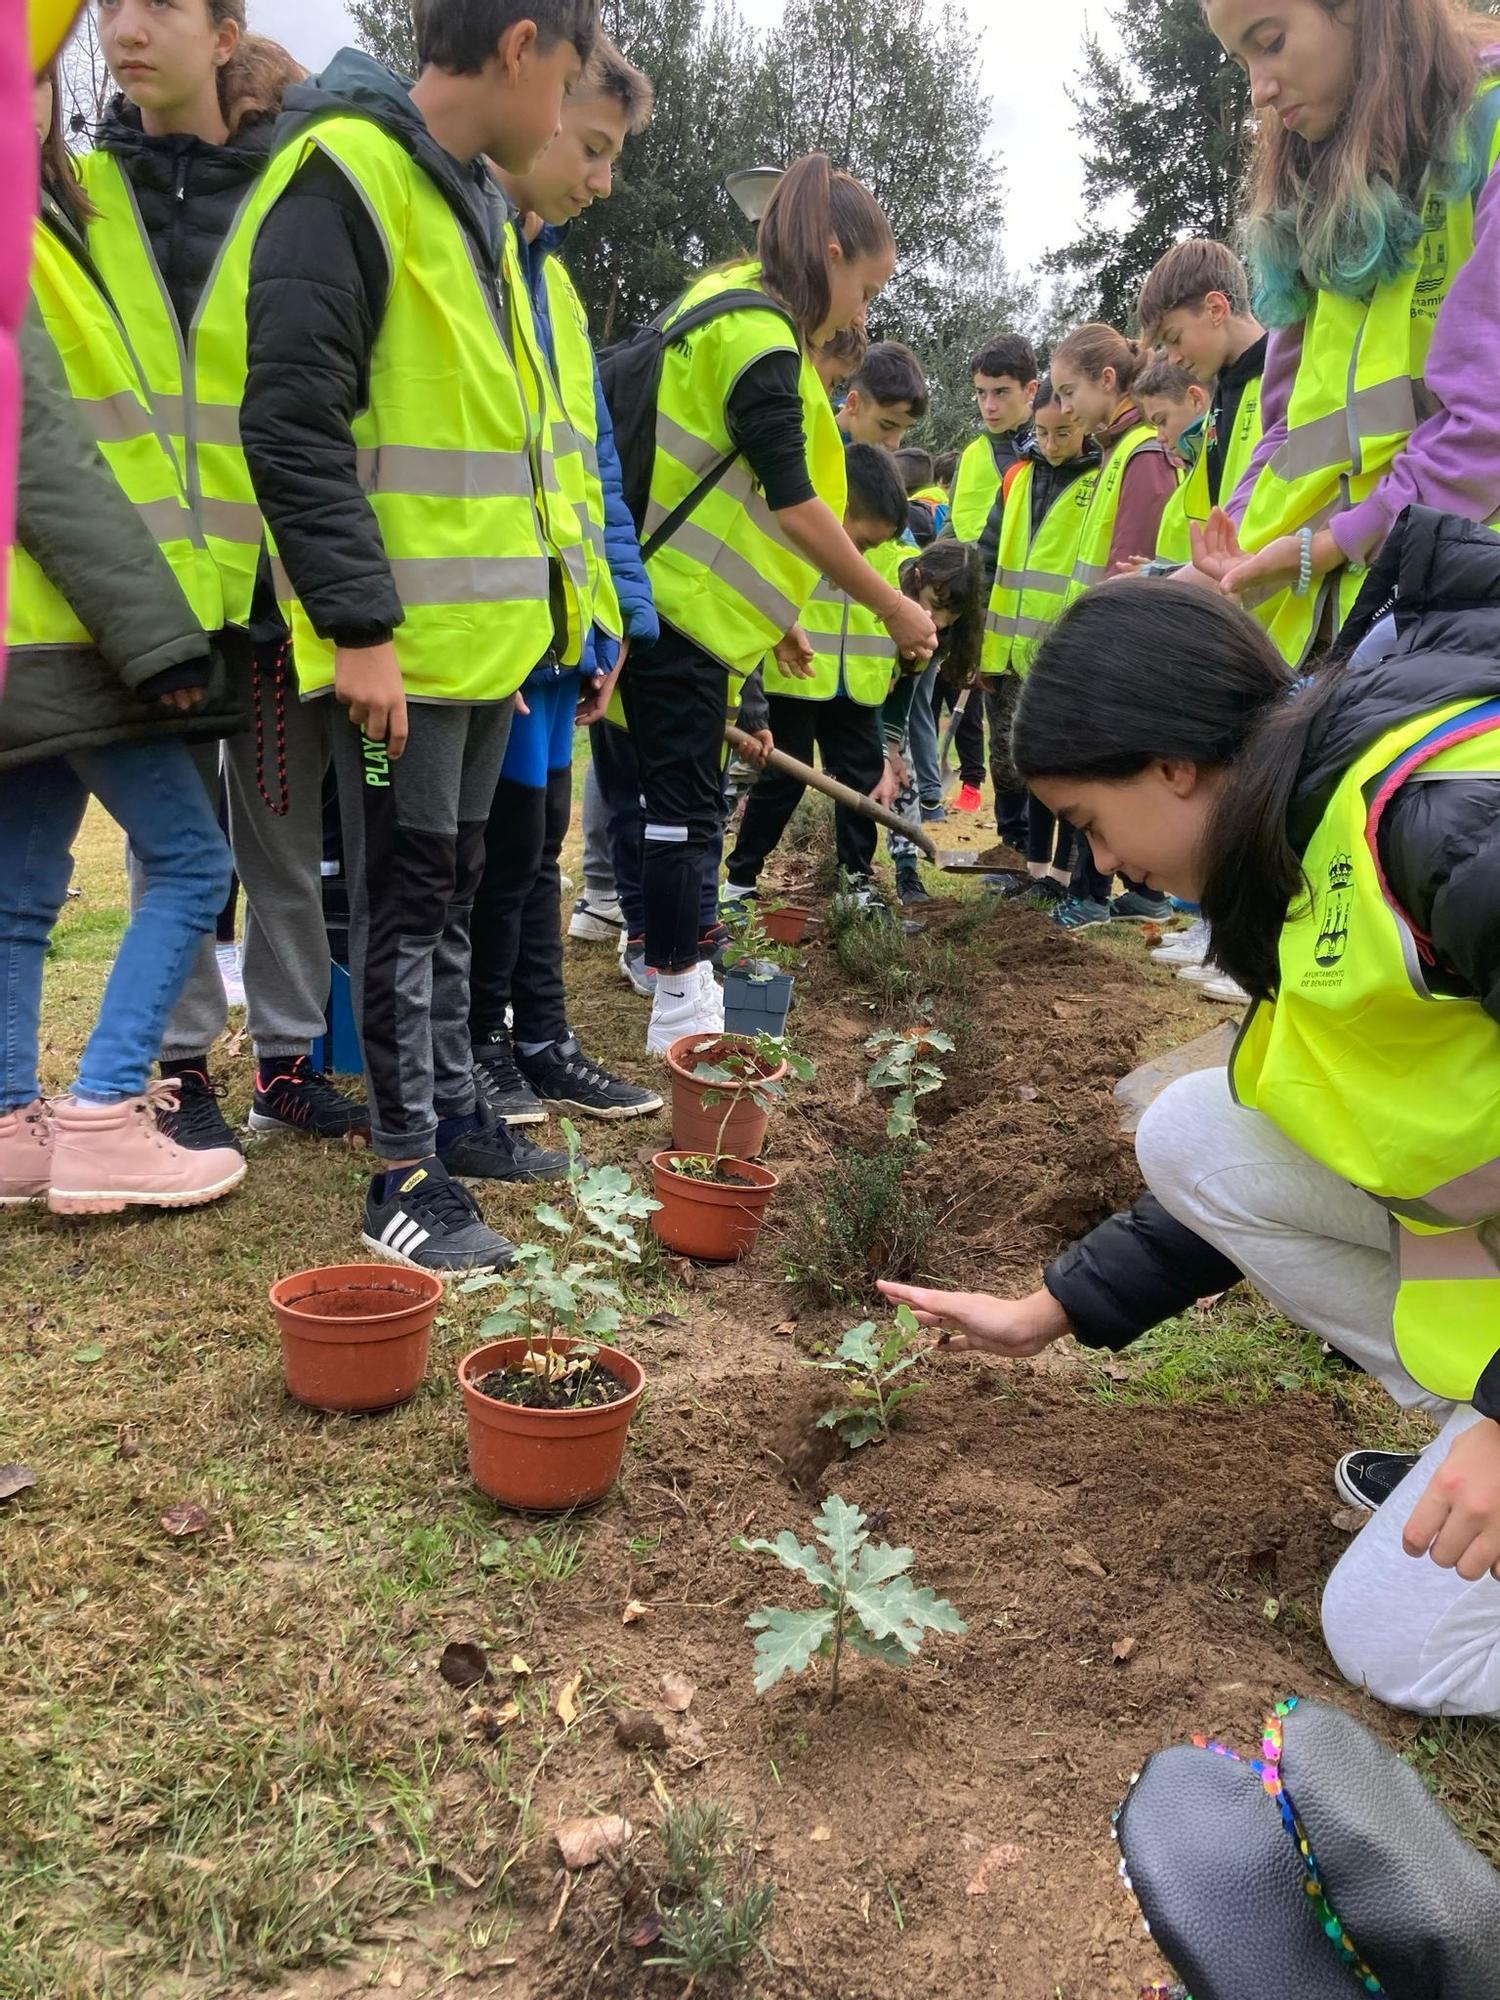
[1165, 129]
[385, 29]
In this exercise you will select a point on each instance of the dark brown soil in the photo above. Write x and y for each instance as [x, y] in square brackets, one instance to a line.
[590, 1389]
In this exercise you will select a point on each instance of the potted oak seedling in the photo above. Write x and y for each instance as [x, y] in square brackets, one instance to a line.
[713, 1197]
[547, 1405]
[757, 984]
[724, 1089]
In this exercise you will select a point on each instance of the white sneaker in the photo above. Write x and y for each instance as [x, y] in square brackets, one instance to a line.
[1222, 987]
[679, 1007]
[228, 956]
[1197, 974]
[711, 997]
[598, 922]
[1189, 947]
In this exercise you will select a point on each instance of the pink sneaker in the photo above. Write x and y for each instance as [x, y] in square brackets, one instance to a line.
[112, 1156]
[25, 1153]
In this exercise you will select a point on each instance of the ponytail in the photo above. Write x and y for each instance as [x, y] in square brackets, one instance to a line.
[1137, 672]
[812, 207]
[257, 75]
[1094, 347]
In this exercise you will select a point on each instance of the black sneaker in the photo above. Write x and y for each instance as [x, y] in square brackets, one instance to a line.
[909, 886]
[562, 1075]
[712, 946]
[1369, 1478]
[428, 1221]
[197, 1123]
[503, 1091]
[292, 1096]
[495, 1151]
[1140, 906]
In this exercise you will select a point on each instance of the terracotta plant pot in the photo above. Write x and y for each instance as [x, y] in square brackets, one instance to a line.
[355, 1336]
[710, 1219]
[696, 1126]
[545, 1461]
[757, 1006]
[787, 925]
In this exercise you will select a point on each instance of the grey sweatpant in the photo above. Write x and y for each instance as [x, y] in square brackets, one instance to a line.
[598, 867]
[278, 858]
[1414, 1635]
[414, 851]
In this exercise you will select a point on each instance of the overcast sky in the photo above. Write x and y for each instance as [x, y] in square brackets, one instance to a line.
[1026, 73]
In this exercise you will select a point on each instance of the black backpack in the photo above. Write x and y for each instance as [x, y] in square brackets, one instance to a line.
[630, 375]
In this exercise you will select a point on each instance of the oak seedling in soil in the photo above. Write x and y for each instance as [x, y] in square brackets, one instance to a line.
[904, 1063]
[740, 1074]
[867, 1601]
[567, 1290]
[869, 1364]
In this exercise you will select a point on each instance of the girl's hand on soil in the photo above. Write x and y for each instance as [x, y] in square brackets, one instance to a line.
[1457, 1520]
[794, 654]
[367, 680]
[1280, 563]
[979, 1323]
[911, 627]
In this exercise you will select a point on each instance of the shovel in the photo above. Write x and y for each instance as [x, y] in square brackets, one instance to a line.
[952, 861]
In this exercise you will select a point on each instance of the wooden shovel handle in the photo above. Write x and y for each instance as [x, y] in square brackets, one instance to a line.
[836, 789]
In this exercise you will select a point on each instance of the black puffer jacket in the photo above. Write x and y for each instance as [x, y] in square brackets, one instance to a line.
[188, 192]
[1426, 632]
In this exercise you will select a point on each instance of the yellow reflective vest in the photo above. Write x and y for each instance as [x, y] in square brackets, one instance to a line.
[729, 577]
[1194, 499]
[464, 483]
[1359, 394]
[194, 376]
[105, 380]
[1392, 1085]
[578, 468]
[853, 654]
[976, 488]
[1033, 574]
[1092, 565]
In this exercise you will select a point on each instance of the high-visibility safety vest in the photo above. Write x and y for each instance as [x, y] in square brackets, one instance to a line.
[853, 654]
[195, 377]
[976, 488]
[1194, 499]
[1358, 396]
[1092, 563]
[578, 464]
[933, 496]
[1393, 1086]
[729, 576]
[110, 396]
[462, 479]
[1033, 576]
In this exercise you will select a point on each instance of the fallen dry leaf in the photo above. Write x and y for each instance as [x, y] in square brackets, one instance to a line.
[821, 1833]
[490, 1723]
[634, 1612]
[1078, 1557]
[1152, 934]
[15, 1479]
[464, 1663]
[669, 1319]
[518, 1666]
[639, 1729]
[184, 1520]
[1004, 1856]
[567, 1701]
[580, 1842]
[784, 1328]
[646, 1932]
[1350, 1519]
[128, 1442]
[1121, 1651]
[677, 1692]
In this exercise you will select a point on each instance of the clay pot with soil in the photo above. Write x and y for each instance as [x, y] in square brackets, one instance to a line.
[355, 1337]
[723, 1088]
[711, 1208]
[788, 923]
[547, 1425]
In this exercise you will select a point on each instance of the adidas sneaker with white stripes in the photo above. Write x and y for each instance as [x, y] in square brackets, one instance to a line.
[422, 1217]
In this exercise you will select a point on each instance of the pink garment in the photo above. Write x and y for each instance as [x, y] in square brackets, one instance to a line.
[1148, 485]
[18, 200]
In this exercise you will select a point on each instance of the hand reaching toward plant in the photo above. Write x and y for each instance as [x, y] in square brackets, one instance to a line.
[979, 1323]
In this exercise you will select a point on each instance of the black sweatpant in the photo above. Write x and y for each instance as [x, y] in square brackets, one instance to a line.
[619, 775]
[968, 738]
[1043, 827]
[518, 948]
[1001, 693]
[1090, 884]
[676, 699]
[414, 849]
[847, 737]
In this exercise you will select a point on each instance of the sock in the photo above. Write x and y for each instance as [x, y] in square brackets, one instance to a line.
[735, 892]
[177, 1064]
[457, 1127]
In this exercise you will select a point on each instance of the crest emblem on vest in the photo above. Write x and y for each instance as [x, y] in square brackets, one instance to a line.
[1333, 933]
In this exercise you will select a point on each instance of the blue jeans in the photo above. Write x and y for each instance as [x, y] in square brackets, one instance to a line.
[923, 736]
[154, 792]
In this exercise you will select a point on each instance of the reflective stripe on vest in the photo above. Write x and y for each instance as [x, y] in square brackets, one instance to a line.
[456, 481]
[825, 620]
[1358, 395]
[1357, 1049]
[195, 376]
[976, 487]
[1032, 575]
[108, 392]
[729, 577]
[1092, 565]
[576, 388]
[871, 662]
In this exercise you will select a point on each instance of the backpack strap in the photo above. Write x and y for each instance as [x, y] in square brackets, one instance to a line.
[742, 300]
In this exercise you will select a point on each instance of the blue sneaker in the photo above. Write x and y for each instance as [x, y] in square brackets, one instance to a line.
[934, 815]
[1141, 907]
[1081, 913]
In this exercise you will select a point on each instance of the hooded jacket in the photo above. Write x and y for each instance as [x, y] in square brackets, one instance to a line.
[318, 290]
[1426, 632]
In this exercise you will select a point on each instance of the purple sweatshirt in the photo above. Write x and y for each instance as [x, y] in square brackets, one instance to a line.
[1452, 459]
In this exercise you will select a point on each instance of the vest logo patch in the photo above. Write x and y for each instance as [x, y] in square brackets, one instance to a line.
[1333, 933]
